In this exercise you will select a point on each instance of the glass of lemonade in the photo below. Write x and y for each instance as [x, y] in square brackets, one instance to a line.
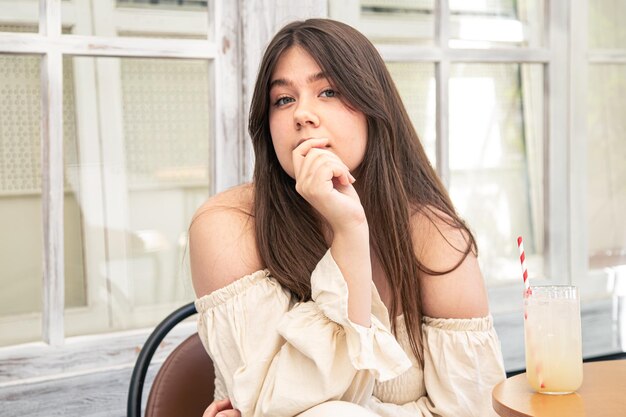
[552, 337]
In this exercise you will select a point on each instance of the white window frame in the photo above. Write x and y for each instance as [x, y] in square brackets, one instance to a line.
[593, 285]
[235, 44]
[554, 58]
[235, 27]
[49, 356]
[565, 58]
[581, 59]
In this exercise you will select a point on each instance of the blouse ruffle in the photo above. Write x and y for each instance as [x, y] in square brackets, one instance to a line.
[279, 358]
[462, 364]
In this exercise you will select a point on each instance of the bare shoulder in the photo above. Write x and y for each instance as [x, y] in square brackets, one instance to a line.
[440, 246]
[222, 244]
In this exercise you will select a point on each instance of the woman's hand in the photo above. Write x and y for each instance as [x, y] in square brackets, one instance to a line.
[325, 182]
[221, 408]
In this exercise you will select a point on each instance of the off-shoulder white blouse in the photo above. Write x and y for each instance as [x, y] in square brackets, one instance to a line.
[274, 357]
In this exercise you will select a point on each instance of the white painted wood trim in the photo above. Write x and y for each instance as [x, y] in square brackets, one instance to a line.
[256, 33]
[52, 47]
[53, 285]
[50, 18]
[442, 23]
[20, 43]
[227, 151]
[35, 362]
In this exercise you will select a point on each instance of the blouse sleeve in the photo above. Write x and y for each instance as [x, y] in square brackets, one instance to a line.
[462, 364]
[277, 359]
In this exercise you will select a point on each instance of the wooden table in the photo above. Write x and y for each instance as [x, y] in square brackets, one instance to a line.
[603, 393]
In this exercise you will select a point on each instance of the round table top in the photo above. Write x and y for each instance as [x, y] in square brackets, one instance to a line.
[603, 393]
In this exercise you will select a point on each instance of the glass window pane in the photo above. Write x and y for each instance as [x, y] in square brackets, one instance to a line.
[416, 85]
[606, 24]
[168, 19]
[19, 16]
[496, 23]
[185, 19]
[389, 21]
[140, 169]
[20, 197]
[496, 162]
[606, 168]
[75, 286]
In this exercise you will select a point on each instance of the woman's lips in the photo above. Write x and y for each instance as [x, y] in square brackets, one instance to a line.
[301, 141]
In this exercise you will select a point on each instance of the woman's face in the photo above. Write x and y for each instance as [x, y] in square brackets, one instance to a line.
[304, 105]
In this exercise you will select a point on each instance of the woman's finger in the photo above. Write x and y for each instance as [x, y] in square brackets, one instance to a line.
[320, 178]
[229, 413]
[301, 151]
[217, 406]
[319, 158]
[329, 169]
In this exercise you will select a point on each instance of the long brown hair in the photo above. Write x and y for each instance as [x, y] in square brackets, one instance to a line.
[396, 171]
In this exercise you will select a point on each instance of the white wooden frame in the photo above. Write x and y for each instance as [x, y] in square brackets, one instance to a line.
[236, 41]
[52, 46]
[234, 50]
[52, 176]
[581, 59]
[553, 56]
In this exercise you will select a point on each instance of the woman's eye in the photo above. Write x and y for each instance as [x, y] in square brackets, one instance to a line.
[329, 93]
[282, 101]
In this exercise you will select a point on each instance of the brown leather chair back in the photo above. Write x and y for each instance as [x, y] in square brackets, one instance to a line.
[184, 385]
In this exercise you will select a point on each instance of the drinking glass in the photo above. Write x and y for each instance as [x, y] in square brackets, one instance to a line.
[553, 339]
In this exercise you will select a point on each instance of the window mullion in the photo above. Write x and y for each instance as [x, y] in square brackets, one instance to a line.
[442, 23]
[442, 34]
[227, 149]
[52, 176]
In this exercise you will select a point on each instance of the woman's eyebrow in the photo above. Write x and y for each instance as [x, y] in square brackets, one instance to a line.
[316, 77]
[283, 82]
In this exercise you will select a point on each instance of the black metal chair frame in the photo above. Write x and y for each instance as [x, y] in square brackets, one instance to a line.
[140, 370]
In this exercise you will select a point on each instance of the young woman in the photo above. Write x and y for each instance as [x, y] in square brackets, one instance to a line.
[341, 281]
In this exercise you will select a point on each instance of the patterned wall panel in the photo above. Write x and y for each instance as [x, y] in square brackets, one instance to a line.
[166, 121]
[20, 118]
[20, 167]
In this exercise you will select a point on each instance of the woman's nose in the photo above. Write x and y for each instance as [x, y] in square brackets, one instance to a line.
[305, 115]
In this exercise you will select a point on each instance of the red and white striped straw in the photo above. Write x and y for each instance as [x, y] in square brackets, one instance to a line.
[522, 258]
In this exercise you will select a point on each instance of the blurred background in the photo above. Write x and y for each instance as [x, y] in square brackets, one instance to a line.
[118, 118]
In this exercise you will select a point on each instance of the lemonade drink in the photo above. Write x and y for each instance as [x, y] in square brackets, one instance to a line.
[553, 339]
